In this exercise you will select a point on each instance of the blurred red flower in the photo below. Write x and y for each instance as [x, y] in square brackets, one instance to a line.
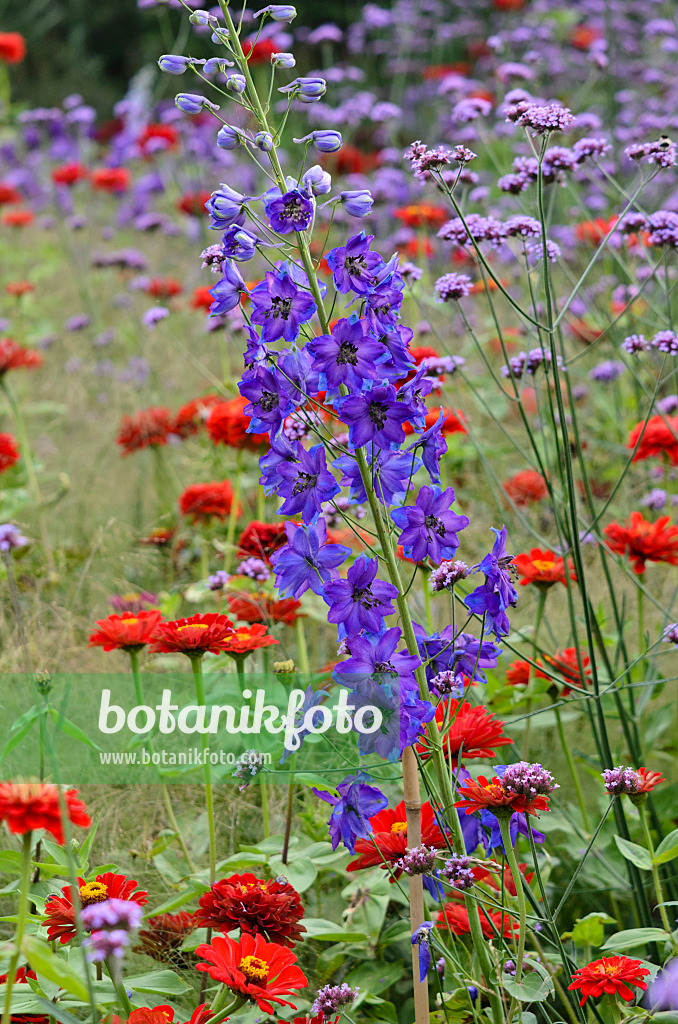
[163, 934]
[525, 488]
[201, 501]
[164, 136]
[227, 424]
[17, 218]
[644, 541]
[659, 436]
[193, 415]
[454, 917]
[26, 806]
[261, 539]
[9, 195]
[12, 47]
[566, 663]
[14, 357]
[472, 730]
[543, 568]
[452, 424]
[126, 632]
[18, 288]
[263, 608]
[193, 204]
[9, 453]
[69, 174]
[111, 179]
[145, 428]
[163, 287]
[422, 215]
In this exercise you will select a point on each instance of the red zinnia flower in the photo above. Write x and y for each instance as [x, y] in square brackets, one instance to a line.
[472, 732]
[389, 833]
[111, 179]
[659, 437]
[60, 912]
[320, 1018]
[260, 607]
[201, 298]
[200, 501]
[452, 424]
[163, 287]
[245, 639]
[261, 51]
[227, 424]
[543, 568]
[163, 935]
[269, 908]
[14, 357]
[12, 47]
[643, 541]
[261, 539]
[193, 415]
[612, 975]
[9, 453]
[526, 488]
[18, 288]
[69, 174]
[162, 1014]
[258, 970]
[17, 218]
[454, 917]
[193, 204]
[126, 632]
[165, 136]
[490, 795]
[649, 779]
[422, 215]
[594, 231]
[194, 637]
[566, 663]
[145, 428]
[518, 673]
[494, 880]
[21, 978]
[8, 194]
[27, 806]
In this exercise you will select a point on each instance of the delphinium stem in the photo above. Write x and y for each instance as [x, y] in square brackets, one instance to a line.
[196, 665]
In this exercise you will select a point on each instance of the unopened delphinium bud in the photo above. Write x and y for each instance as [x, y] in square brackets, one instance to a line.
[217, 65]
[236, 84]
[525, 779]
[621, 781]
[457, 871]
[324, 140]
[317, 181]
[283, 60]
[264, 141]
[357, 202]
[306, 90]
[229, 137]
[419, 860]
[192, 103]
[173, 64]
[278, 12]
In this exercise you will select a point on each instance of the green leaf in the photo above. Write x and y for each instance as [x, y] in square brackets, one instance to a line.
[71, 730]
[375, 976]
[58, 1012]
[43, 961]
[158, 982]
[301, 872]
[20, 728]
[10, 862]
[315, 780]
[667, 849]
[328, 931]
[589, 930]
[195, 889]
[534, 987]
[638, 855]
[632, 937]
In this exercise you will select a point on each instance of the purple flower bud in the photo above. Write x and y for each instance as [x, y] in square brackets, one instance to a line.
[325, 140]
[283, 60]
[192, 103]
[173, 64]
[217, 65]
[264, 141]
[236, 84]
[525, 779]
[457, 871]
[357, 202]
[229, 137]
[203, 18]
[420, 860]
[307, 90]
[317, 181]
[225, 207]
[278, 12]
[331, 998]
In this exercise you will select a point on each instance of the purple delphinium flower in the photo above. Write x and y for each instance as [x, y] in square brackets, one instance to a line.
[429, 528]
[228, 289]
[282, 451]
[154, 315]
[447, 574]
[497, 594]
[377, 659]
[332, 998]
[11, 537]
[355, 804]
[375, 416]
[663, 994]
[384, 302]
[292, 211]
[421, 937]
[225, 207]
[301, 379]
[464, 654]
[391, 472]
[432, 446]
[392, 715]
[413, 392]
[353, 265]
[268, 400]
[457, 871]
[346, 356]
[361, 601]
[280, 308]
[307, 561]
[307, 483]
[619, 781]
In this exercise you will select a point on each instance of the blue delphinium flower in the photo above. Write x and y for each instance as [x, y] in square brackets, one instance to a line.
[375, 415]
[361, 601]
[292, 211]
[306, 484]
[280, 308]
[226, 207]
[239, 244]
[228, 289]
[414, 392]
[301, 378]
[392, 473]
[384, 301]
[421, 938]
[403, 716]
[356, 803]
[432, 446]
[353, 265]
[463, 655]
[282, 451]
[269, 400]
[307, 561]
[346, 356]
[376, 658]
[497, 593]
[429, 528]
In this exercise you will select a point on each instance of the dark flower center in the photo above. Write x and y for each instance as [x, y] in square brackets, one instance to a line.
[356, 266]
[384, 668]
[378, 411]
[434, 524]
[268, 401]
[348, 353]
[304, 482]
[364, 596]
[280, 308]
[294, 210]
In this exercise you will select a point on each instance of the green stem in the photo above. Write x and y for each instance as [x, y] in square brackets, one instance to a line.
[302, 647]
[573, 771]
[139, 692]
[505, 829]
[196, 665]
[22, 917]
[659, 892]
[114, 969]
[233, 514]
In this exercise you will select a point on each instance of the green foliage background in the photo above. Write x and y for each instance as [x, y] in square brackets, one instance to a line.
[95, 46]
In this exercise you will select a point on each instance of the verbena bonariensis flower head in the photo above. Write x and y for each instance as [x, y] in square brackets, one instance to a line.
[419, 860]
[110, 923]
[631, 782]
[522, 787]
[457, 871]
[332, 998]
